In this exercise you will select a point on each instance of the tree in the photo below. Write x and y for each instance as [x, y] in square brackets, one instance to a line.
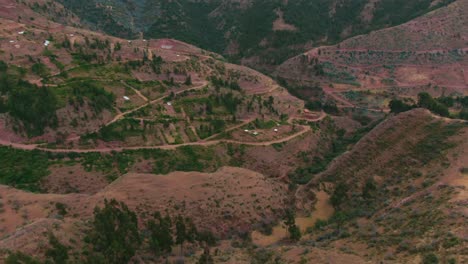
[369, 188]
[58, 252]
[181, 233]
[339, 195]
[160, 234]
[290, 222]
[425, 100]
[192, 232]
[188, 80]
[205, 258]
[464, 114]
[398, 106]
[114, 236]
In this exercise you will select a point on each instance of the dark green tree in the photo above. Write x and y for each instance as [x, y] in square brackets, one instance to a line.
[192, 232]
[181, 232]
[398, 106]
[57, 253]
[188, 80]
[160, 234]
[290, 222]
[369, 189]
[425, 100]
[114, 236]
[339, 195]
[205, 258]
[20, 258]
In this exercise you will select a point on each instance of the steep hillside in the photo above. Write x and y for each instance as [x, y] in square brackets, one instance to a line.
[400, 191]
[261, 33]
[234, 199]
[429, 53]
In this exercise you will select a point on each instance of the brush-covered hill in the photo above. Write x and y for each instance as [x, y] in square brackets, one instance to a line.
[399, 193]
[258, 32]
[227, 202]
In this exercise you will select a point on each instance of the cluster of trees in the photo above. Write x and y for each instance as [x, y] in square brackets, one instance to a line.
[33, 106]
[98, 98]
[227, 100]
[439, 106]
[166, 232]
[23, 169]
[220, 82]
[156, 64]
[215, 126]
[114, 237]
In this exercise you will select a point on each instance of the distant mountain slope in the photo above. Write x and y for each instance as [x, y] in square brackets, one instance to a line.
[430, 51]
[261, 32]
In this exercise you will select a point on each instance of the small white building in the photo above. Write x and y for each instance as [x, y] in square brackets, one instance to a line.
[21, 33]
[169, 103]
[46, 43]
[126, 98]
[276, 130]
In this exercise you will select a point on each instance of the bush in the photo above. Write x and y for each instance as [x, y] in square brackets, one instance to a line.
[340, 194]
[398, 106]
[20, 258]
[425, 100]
[430, 258]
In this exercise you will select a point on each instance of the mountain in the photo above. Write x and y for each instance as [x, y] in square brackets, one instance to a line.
[86, 82]
[257, 32]
[119, 147]
[427, 54]
[400, 191]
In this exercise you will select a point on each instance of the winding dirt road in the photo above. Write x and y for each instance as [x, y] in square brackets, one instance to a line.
[166, 147]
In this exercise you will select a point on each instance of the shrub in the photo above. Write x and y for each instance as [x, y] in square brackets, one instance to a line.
[430, 258]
